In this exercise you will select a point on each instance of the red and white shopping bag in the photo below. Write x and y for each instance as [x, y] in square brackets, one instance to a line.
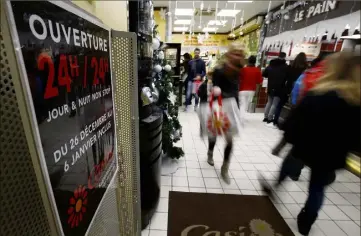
[218, 122]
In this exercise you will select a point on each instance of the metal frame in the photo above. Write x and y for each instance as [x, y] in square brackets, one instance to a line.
[125, 77]
[127, 226]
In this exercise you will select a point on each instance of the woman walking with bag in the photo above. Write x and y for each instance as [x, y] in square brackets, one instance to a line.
[323, 128]
[225, 87]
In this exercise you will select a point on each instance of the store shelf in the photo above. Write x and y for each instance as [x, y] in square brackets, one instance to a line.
[353, 164]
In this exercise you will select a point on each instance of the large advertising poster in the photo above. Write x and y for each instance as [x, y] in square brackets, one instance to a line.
[67, 67]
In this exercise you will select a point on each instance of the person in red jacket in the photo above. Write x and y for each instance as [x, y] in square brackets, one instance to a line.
[249, 77]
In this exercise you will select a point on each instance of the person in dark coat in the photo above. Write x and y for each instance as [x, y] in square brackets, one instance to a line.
[197, 70]
[298, 66]
[323, 128]
[276, 73]
[185, 65]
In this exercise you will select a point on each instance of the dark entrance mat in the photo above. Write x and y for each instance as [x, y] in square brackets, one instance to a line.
[197, 214]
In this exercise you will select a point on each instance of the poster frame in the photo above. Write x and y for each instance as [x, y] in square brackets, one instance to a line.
[25, 86]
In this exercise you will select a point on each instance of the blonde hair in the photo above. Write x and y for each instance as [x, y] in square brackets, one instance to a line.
[343, 76]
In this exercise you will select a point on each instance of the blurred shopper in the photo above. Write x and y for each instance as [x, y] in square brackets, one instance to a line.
[323, 128]
[250, 77]
[197, 70]
[276, 73]
[310, 76]
[204, 92]
[185, 68]
[226, 81]
[298, 66]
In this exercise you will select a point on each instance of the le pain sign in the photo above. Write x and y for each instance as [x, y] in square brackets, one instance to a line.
[67, 69]
[304, 13]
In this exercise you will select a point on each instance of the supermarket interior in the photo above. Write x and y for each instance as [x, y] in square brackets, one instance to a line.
[192, 118]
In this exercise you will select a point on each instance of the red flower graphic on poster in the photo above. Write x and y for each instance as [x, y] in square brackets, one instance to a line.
[77, 206]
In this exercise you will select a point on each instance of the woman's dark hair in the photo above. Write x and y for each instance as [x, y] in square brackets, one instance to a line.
[300, 61]
[187, 56]
[252, 60]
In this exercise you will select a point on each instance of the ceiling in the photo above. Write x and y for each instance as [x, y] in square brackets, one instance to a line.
[250, 10]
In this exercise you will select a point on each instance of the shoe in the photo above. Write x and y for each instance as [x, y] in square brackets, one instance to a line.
[275, 152]
[195, 108]
[305, 222]
[265, 120]
[185, 109]
[224, 173]
[266, 187]
[210, 158]
[271, 125]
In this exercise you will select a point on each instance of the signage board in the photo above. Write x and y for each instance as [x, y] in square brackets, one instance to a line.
[65, 60]
[312, 50]
[305, 13]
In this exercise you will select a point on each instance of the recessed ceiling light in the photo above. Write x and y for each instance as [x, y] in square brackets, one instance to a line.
[218, 22]
[208, 29]
[180, 28]
[240, 1]
[231, 13]
[183, 12]
[182, 22]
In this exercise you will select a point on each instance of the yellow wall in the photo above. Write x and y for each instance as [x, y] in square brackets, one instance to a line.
[114, 14]
[213, 40]
[161, 24]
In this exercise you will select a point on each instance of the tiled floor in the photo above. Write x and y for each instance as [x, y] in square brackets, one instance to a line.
[339, 216]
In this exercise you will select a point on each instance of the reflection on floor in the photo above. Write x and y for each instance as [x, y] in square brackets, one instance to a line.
[340, 214]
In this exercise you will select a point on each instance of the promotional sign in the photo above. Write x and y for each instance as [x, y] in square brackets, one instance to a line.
[312, 50]
[304, 13]
[67, 68]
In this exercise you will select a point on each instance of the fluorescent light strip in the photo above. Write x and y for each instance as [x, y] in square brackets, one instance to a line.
[184, 12]
[180, 28]
[240, 1]
[218, 22]
[229, 13]
[182, 22]
[208, 29]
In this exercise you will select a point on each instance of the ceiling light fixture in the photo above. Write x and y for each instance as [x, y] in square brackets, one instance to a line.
[208, 29]
[184, 12]
[240, 1]
[229, 13]
[182, 22]
[180, 28]
[218, 22]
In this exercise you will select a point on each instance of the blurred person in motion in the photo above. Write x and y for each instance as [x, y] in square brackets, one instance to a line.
[250, 76]
[276, 73]
[301, 85]
[225, 80]
[323, 128]
[185, 70]
[203, 93]
[297, 67]
[196, 71]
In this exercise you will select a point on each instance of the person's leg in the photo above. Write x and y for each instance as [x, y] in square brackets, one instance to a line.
[250, 96]
[189, 93]
[196, 101]
[316, 195]
[279, 110]
[242, 101]
[268, 107]
[276, 150]
[272, 109]
[211, 143]
[227, 159]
